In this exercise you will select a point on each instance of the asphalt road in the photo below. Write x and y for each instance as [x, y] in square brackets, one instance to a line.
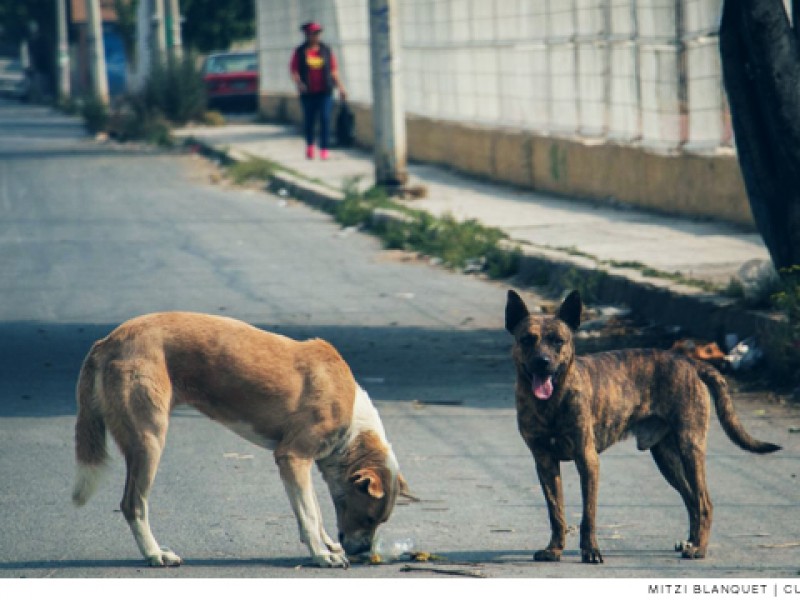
[93, 234]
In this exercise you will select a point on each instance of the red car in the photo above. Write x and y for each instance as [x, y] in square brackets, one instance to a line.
[231, 78]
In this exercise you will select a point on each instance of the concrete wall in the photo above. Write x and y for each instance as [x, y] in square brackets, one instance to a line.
[706, 186]
[618, 100]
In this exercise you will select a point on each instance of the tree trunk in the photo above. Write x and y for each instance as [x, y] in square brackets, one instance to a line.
[761, 71]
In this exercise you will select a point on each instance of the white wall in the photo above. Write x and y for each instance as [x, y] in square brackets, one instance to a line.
[642, 72]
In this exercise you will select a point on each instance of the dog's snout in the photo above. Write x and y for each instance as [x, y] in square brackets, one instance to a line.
[541, 363]
[355, 547]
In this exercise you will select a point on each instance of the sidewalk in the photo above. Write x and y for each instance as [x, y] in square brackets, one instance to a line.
[552, 230]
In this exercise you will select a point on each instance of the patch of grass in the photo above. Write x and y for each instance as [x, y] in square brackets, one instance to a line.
[174, 93]
[459, 244]
[95, 114]
[357, 207]
[782, 348]
[587, 284]
[678, 277]
[134, 120]
[626, 264]
[502, 263]
[176, 90]
[574, 251]
[539, 274]
[255, 169]
[213, 118]
[734, 289]
[675, 276]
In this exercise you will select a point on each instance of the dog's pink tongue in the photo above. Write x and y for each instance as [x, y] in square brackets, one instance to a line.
[542, 388]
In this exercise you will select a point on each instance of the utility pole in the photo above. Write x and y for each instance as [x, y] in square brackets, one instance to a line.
[159, 38]
[62, 59]
[144, 32]
[174, 41]
[97, 52]
[388, 114]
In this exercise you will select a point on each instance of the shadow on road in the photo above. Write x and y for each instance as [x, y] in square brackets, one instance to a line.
[39, 363]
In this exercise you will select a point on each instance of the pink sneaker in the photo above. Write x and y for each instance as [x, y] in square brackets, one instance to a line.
[309, 152]
[323, 154]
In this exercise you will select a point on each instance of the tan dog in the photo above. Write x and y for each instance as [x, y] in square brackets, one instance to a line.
[298, 399]
[573, 408]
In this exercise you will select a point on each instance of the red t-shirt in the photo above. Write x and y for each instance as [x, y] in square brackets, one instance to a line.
[315, 62]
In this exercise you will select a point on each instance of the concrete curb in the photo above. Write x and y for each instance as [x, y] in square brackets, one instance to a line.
[699, 313]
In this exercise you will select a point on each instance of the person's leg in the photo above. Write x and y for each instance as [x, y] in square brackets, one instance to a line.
[325, 110]
[309, 114]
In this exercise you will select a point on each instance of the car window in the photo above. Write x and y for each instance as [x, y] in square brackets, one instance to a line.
[231, 63]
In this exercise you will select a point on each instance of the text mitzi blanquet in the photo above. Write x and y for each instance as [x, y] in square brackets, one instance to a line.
[772, 590]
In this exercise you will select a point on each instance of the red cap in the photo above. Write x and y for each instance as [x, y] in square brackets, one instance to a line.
[311, 27]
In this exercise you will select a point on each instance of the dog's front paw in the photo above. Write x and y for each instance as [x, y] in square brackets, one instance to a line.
[591, 556]
[335, 548]
[332, 560]
[693, 552]
[547, 555]
[165, 558]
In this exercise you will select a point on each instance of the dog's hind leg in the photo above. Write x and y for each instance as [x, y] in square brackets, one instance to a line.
[693, 456]
[668, 460]
[672, 462]
[142, 464]
[140, 430]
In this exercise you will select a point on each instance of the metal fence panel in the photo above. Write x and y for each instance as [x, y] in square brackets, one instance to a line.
[705, 97]
[624, 112]
[660, 105]
[592, 87]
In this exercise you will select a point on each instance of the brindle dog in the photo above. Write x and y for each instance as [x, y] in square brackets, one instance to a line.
[573, 408]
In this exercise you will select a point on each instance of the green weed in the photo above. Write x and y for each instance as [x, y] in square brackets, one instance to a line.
[255, 169]
[459, 244]
[95, 114]
[782, 347]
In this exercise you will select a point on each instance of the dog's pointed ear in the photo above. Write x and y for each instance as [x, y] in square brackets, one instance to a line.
[368, 481]
[404, 490]
[516, 311]
[570, 310]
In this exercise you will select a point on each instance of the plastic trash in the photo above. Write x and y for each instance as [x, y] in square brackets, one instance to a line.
[474, 265]
[744, 355]
[389, 549]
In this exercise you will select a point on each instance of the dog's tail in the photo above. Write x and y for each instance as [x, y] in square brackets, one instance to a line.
[90, 433]
[727, 415]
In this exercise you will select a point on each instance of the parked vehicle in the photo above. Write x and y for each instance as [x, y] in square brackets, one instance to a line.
[14, 81]
[231, 79]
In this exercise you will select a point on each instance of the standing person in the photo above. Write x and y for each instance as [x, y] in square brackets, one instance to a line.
[314, 72]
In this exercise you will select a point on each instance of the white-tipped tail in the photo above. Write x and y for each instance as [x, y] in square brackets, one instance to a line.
[86, 479]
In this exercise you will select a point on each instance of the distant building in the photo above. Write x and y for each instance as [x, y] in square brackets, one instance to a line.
[116, 59]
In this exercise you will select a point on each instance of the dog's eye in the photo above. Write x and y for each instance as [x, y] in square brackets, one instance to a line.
[555, 341]
[528, 339]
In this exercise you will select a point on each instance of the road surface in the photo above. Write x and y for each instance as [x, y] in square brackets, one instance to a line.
[92, 234]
